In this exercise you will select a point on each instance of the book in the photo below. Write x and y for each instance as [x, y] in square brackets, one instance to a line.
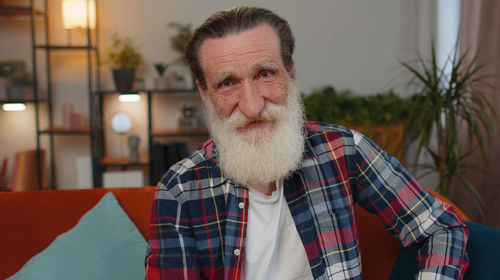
[25, 174]
[164, 155]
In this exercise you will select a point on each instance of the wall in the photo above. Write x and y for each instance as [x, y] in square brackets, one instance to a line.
[348, 44]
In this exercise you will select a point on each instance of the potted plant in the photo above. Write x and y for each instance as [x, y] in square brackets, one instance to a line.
[447, 101]
[17, 77]
[161, 81]
[380, 117]
[178, 43]
[125, 58]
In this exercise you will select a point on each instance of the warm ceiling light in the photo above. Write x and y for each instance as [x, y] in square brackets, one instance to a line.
[74, 13]
[129, 97]
[14, 107]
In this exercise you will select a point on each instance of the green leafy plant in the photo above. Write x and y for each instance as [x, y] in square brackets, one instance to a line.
[15, 72]
[179, 40]
[123, 54]
[161, 68]
[445, 102]
[380, 117]
[328, 105]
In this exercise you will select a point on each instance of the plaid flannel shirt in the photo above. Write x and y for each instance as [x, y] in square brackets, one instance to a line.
[199, 216]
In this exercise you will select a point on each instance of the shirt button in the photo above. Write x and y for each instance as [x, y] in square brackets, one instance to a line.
[241, 205]
[237, 252]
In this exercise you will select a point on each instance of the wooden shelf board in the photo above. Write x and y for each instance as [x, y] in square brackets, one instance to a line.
[123, 161]
[61, 130]
[65, 47]
[180, 132]
[156, 91]
[17, 11]
[23, 100]
[184, 90]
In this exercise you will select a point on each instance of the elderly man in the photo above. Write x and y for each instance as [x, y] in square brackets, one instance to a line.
[271, 196]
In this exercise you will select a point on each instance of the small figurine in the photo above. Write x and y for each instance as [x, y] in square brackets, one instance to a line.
[133, 144]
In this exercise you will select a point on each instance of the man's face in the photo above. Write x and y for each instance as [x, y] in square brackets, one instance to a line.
[253, 108]
[244, 73]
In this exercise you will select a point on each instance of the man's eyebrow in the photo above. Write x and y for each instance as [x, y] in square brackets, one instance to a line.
[269, 65]
[220, 77]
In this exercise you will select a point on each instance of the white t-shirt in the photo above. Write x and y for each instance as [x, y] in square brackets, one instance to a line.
[273, 248]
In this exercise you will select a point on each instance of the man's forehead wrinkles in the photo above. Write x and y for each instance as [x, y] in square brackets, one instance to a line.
[238, 56]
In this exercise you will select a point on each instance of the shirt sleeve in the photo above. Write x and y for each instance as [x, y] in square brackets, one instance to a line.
[385, 188]
[171, 250]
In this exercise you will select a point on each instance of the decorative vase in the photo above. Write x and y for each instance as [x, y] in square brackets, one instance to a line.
[124, 79]
[175, 81]
[161, 82]
[15, 92]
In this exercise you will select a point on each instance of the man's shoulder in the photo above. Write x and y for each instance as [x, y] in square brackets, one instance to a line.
[321, 133]
[197, 166]
[314, 126]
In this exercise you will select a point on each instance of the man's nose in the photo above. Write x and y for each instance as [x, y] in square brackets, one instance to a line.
[251, 101]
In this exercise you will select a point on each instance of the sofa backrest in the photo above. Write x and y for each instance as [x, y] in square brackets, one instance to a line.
[30, 221]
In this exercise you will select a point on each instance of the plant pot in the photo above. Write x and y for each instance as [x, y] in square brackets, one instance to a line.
[124, 79]
[174, 82]
[161, 82]
[15, 92]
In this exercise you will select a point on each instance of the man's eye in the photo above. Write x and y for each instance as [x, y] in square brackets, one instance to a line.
[266, 73]
[226, 83]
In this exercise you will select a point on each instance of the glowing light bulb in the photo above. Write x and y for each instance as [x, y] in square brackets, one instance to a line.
[129, 97]
[14, 107]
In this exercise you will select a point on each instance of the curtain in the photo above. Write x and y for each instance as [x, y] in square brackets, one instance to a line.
[480, 28]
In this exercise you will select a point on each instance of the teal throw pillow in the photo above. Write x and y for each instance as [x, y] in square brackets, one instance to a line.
[104, 244]
[483, 249]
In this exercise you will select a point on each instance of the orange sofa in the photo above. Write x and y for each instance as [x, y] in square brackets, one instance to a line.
[30, 221]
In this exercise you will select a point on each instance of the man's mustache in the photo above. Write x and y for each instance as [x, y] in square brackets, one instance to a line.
[270, 113]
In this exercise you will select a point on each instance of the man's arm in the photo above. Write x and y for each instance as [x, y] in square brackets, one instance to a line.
[384, 187]
[171, 249]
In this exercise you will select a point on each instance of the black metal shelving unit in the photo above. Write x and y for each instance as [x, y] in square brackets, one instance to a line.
[8, 11]
[90, 48]
[144, 160]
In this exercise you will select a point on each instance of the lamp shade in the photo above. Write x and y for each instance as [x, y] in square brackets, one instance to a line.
[74, 13]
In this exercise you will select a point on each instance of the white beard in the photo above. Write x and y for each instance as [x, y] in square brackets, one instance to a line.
[261, 155]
